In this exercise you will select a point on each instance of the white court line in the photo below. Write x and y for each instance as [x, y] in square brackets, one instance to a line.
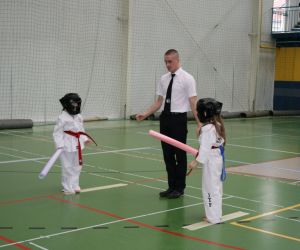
[94, 153]
[23, 160]
[28, 137]
[99, 225]
[245, 137]
[250, 137]
[148, 214]
[236, 138]
[36, 245]
[265, 149]
[286, 218]
[79, 229]
[188, 186]
[203, 224]
[285, 169]
[228, 160]
[21, 151]
[142, 185]
[292, 137]
[118, 150]
[156, 188]
[294, 182]
[141, 176]
[241, 162]
[103, 187]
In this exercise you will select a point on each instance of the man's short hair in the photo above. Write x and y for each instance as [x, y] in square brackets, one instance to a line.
[172, 51]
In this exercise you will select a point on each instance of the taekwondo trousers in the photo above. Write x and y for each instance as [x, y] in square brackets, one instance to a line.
[212, 187]
[174, 125]
[70, 171]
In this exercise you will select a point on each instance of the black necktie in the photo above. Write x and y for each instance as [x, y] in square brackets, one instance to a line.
[168, 96]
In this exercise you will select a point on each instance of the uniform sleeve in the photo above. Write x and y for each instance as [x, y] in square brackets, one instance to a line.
[58, 133]
[206, 141]
[191, 87]
[84, 137]
[159, 90]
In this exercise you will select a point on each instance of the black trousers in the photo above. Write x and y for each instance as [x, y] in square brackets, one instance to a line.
[174, 125]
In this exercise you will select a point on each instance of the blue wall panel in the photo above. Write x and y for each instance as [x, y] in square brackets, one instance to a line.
[286, 95]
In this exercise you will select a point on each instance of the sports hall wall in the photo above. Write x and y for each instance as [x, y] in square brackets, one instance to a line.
[111, 53]
[287, 79]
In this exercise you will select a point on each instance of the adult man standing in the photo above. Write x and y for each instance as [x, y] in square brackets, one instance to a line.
[178, 89]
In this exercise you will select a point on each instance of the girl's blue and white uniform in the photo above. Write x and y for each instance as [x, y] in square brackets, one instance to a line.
[212, 186]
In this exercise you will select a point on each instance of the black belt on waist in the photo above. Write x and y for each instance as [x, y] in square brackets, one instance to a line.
[173, 113]
[214, 147]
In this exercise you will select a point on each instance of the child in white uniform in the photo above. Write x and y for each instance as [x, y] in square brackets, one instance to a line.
[211, 155]
[70, 121]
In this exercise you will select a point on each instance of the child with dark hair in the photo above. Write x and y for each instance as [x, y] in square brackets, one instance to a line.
[211, 155]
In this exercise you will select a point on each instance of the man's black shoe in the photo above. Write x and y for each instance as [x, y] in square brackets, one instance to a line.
[165, 193]
[175, 194]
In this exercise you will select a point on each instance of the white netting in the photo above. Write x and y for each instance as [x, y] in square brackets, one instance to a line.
[214, 43]
[111, 53]
[49, 48]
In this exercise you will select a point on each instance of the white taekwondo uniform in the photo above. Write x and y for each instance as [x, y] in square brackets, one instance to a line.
[69, 157]
[211, 158]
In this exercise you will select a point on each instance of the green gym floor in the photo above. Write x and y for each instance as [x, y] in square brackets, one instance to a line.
[119, 208]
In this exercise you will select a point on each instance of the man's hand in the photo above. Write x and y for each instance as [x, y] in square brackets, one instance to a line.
[155, 106]
[198, 129]
[140, 117]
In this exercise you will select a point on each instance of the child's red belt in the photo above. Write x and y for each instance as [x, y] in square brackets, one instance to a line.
[77, 135]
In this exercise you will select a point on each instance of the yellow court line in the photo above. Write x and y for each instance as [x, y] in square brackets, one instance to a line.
[272, 212]
[265, 231]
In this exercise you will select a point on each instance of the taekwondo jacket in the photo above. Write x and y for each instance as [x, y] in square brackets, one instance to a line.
[66, 122]
[208, 139]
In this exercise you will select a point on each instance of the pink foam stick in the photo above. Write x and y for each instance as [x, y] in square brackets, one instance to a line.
[174, 142]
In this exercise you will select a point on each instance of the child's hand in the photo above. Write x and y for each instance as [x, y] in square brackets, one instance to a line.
[193, 164]
[88, 142]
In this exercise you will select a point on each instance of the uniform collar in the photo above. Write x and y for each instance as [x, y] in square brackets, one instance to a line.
[206, 126]
[177, 72]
